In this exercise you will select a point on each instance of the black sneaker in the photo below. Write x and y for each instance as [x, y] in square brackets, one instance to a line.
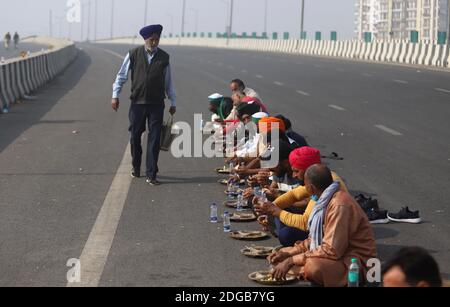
[152, 182]
[405, 216]
[367, 203]
[360, 197]
[135, 174]
[377, 216]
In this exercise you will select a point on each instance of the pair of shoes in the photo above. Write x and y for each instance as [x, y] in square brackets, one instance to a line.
[405, 216]
[135, 174]
[152, 182]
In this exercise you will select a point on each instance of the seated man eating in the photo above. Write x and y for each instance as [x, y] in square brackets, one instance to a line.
[278, 178]
[339, 232]
[246, 129]
[249, 150]
[294, 137]
[220, 106]
[267, 127]
[292, 226]
[238, 85]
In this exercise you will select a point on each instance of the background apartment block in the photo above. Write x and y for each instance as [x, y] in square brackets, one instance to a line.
[395, 19]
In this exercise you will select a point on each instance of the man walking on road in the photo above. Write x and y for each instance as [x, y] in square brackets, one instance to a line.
[16, 39]
[151, 84]
[7, 40]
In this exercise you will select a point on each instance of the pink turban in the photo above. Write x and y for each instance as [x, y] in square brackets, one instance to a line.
[302, 158]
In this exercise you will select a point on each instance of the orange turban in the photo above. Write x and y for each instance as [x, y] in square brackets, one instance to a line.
[267, 124]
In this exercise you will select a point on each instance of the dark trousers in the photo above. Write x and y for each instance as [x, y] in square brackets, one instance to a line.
[140, 115]
[289, 235]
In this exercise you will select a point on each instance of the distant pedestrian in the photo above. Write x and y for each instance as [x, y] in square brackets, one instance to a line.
[16, 39]
[7, 40]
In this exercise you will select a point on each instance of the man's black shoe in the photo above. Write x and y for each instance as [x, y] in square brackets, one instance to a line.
[153, 182]
[405, 216]
[367, 203]
[377, 217]
[135, 174]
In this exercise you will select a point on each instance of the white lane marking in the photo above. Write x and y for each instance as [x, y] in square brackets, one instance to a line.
[400, 81]
[112, 53]
[340, 69]
[95, 253]
[336, 107]
[230, 67]
[299, 63]
[388, 130]
[442, 90]
[278, 83]
[96, 250]
[367, 75]
[220, 64]
[244, 71]
[214, 77]
[303, 93]
[317, 65]
[259, 76]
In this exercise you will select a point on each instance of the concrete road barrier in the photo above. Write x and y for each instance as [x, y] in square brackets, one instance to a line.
[395, 51]
[21, 76]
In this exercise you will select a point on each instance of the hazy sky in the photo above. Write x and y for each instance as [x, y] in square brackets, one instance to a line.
[32, 16]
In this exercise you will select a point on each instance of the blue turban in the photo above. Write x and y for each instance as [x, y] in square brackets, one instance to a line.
[148, 31]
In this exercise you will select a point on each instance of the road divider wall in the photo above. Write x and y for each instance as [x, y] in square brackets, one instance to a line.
[425, 53]
[21, 76]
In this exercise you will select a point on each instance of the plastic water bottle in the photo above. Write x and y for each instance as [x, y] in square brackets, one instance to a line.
[257, 192]
[230, 188]
[231, 168]
[353, 274]
[5, 110]
[231, 183]
[240, 203]
[262, 199]
[213, 213]
[226, 222]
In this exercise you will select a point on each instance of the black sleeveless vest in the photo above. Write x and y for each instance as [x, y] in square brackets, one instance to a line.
[147, 80]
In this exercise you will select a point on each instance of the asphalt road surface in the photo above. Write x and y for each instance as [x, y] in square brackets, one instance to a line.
[64, 175]
[13, 53]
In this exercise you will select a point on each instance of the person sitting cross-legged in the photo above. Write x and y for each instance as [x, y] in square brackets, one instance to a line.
[339, 232]
[292, 209]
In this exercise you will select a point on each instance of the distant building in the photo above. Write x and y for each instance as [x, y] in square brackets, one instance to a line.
[395, 19]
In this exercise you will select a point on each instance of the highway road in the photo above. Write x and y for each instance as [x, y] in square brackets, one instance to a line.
[64, 173]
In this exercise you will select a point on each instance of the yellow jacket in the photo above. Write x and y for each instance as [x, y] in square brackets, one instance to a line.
[300, 221]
